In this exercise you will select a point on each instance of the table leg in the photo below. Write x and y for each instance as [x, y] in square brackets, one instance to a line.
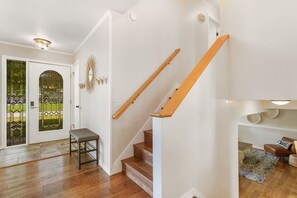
[97, 151]
[79, 155]
[70, 145]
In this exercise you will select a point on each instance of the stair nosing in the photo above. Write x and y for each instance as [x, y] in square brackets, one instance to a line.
[144, 147]
[150, 131]
[136, 168]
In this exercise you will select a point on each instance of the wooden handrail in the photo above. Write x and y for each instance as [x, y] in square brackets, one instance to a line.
[145, 85]
[172, 104]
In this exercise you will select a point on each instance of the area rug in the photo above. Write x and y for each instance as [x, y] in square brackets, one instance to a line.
[257, 166]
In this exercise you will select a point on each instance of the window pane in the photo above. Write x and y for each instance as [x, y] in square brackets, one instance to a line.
[16, 102]
[50, 101]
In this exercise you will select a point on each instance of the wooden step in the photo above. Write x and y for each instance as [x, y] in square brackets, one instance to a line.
[144, 152]
[140, 172]
[148, 137]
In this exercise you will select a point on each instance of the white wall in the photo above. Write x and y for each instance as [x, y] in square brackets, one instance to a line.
[286, 119]
[251, 107]
[262, 48]
[95, 113]
[258, 136]
[268, 130]
[196, 147]
[140, 47]
[27, 53]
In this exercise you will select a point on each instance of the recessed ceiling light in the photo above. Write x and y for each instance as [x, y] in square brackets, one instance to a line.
[42, 43]
[280, 102]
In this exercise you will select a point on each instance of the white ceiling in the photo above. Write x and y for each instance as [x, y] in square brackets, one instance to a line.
[64, 22]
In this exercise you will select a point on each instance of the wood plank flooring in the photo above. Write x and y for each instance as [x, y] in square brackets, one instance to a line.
[280, 183]
[60, 177]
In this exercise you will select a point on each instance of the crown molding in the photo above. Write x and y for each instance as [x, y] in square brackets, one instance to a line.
[34, 48]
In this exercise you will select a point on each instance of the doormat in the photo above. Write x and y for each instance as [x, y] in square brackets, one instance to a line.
[33, 152]
[258, 165]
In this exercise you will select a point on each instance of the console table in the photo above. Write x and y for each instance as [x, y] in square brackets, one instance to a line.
[80, 139]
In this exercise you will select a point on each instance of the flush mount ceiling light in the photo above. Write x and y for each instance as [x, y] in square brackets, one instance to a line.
[280, 102]
[42, 43]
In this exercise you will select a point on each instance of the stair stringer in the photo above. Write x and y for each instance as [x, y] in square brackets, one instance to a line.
[139, 137]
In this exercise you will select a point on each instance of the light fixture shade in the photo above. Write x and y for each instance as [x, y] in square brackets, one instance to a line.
[280, 102]
[42, 43]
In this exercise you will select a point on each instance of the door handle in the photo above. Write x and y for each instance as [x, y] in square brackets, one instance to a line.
[77, 106]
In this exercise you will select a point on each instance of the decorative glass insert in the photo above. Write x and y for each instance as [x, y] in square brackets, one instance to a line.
[16, 102]
[50, 101]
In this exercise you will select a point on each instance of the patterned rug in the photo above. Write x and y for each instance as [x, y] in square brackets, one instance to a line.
[257, 166]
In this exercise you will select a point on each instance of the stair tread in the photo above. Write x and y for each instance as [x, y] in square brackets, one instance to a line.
[149, 131]
[140, 166]
[145, 147]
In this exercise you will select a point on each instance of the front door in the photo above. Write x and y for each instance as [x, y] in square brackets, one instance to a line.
[49, 102]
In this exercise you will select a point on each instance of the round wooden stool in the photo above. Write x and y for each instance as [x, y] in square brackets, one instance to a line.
[293, 160]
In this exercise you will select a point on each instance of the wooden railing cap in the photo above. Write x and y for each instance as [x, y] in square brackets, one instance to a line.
[145, 85]
[177, 98]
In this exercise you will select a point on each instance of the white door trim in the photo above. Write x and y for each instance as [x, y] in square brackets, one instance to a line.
[73, 87]
[4, 91]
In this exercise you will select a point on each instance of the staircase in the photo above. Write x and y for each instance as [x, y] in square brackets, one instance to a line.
[139, 168]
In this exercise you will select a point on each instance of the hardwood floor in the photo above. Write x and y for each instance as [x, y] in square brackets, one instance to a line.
[280, 183]
[60, 177]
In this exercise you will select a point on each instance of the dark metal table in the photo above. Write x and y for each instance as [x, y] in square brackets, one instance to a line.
[80, 139]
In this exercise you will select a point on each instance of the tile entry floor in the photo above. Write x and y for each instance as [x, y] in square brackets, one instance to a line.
[26, 153]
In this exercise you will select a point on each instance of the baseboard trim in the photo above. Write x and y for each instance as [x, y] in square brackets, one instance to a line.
[259, 148]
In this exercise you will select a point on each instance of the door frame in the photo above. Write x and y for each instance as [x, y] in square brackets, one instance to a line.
[4, 93]
[73, 86]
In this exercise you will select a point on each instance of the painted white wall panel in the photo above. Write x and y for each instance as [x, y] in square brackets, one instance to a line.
[95, 113]
[140, 47]
[262, 48]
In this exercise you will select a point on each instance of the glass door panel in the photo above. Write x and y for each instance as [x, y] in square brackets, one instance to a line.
[16, 103]
[50, 101]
